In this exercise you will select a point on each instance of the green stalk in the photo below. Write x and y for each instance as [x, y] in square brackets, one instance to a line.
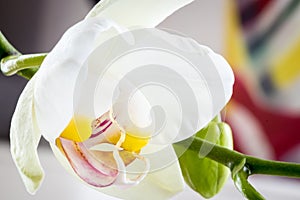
[23, 65]
[243, 166]
[6, 49]
[13, 62]
[242, 184]
[232, 158]
[268, 167]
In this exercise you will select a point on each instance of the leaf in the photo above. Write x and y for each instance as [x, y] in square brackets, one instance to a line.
[203, 175]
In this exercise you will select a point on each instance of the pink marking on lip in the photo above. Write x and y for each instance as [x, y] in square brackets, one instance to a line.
[103, 123]
[87, 166]
[100, 131]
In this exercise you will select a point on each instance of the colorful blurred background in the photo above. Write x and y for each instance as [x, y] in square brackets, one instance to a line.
[259, 38]
[262, 44]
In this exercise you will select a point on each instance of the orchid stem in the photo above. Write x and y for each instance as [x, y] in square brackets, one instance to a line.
[6, 49]
[23, 65]
[13, 62]
[242, 166]
[231, 158]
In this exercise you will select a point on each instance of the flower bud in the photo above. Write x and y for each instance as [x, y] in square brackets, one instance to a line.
[202, 174]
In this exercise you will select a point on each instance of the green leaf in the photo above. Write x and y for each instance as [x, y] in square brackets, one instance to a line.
[202, 174]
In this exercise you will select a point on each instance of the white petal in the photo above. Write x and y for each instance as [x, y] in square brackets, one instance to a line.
[24, 139]
[57, 75]
[163, 84]
[129, 13]
[161, 184]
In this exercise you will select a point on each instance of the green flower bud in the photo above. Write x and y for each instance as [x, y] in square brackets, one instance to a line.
[202, 174]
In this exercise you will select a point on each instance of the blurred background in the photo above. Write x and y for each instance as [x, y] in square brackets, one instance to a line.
[259, 38]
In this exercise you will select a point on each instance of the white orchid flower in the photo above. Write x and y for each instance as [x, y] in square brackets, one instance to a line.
[113, 148]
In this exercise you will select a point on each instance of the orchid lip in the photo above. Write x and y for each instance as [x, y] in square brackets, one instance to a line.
[90, 161]
[84, 165]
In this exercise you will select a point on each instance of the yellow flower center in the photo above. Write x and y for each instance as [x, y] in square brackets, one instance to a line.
[131, 143]
[79, 129]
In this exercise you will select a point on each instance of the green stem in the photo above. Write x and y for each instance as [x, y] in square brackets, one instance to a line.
[268, 167]
[231, 158]
[13, 62]
[242, 166]
[6, 49]
[23, 65]
[241, 182]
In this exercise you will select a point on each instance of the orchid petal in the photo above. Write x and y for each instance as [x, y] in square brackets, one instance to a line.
[135, 78]
[130, 13]
[24, 139]
[57, 75]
